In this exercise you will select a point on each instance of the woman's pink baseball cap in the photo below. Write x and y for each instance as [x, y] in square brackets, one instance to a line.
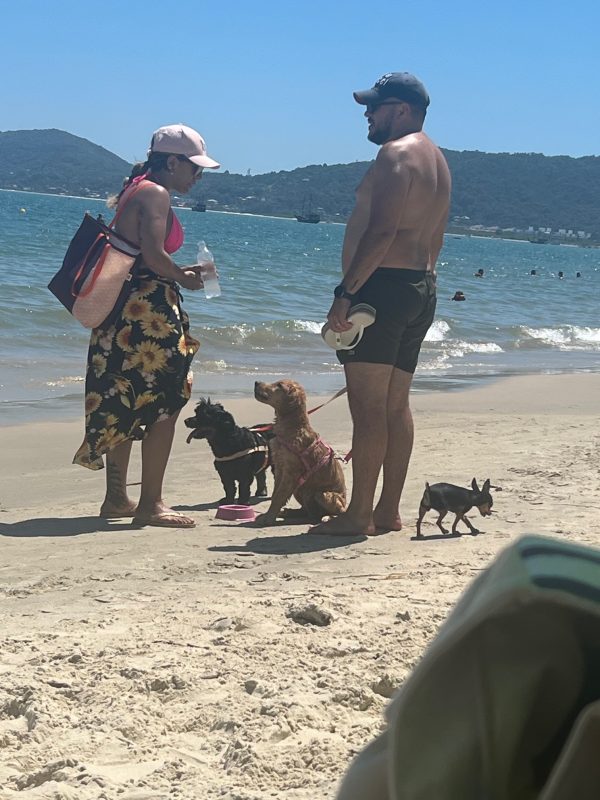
[180, 140]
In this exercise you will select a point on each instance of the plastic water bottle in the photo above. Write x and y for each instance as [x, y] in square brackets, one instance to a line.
[208, 271]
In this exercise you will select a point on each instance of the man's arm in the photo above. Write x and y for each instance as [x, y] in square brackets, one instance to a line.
[389, 190]
[437, 242]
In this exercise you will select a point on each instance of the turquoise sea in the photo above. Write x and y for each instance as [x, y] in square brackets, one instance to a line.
[277, 277]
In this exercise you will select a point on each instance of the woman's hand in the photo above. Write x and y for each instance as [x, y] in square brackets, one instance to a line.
[190, 279]
[206, 266]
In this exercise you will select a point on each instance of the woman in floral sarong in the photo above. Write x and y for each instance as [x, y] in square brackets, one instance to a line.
[138, 371]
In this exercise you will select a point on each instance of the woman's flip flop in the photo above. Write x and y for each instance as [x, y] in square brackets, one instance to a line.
[361, 316]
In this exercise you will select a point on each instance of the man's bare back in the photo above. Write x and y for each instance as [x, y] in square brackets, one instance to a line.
[419, 226]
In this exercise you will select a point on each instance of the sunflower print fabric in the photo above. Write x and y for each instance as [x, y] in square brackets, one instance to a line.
[138, 369]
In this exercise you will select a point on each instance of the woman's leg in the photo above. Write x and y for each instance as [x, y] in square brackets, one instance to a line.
[156, 448]
[116, 502]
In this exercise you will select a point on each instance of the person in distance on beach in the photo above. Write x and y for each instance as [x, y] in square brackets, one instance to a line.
[391, 245]
[138, 374]
[478, 274]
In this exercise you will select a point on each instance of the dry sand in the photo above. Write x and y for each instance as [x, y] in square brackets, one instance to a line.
[163, 664]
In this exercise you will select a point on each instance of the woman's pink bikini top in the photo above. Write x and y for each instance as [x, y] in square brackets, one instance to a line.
[175, 235]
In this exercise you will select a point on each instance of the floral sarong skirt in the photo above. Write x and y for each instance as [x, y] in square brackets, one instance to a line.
[138, 369]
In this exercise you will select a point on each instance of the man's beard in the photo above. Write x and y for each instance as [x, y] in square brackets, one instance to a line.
[378, 136]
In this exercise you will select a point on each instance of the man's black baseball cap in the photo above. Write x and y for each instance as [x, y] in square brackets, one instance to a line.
[397, 86]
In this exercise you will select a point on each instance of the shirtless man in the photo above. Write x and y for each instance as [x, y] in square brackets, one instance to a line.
[392, 242]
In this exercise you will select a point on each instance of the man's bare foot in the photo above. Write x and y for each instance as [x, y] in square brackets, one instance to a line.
[344, 525]
[112, 510]
[161, 516]
[383, 523]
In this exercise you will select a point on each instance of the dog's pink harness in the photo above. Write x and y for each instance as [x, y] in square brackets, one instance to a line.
[327, 455]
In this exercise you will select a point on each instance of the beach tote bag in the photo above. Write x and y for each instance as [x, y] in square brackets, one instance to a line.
[505, 703]
[94, 280]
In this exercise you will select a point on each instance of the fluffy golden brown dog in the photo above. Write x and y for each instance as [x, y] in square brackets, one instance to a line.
[304, 466]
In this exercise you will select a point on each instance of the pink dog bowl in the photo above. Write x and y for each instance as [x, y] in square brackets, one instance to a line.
[236, 513]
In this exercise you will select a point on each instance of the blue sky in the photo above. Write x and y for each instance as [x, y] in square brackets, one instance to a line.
[269, 84]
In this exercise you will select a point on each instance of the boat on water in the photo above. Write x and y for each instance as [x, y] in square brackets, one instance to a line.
[312, 216]
[199, 206]
[308, 214]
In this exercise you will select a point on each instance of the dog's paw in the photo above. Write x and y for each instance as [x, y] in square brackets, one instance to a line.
[264, 520]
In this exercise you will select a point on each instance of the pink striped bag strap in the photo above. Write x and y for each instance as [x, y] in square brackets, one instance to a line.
[128, 193]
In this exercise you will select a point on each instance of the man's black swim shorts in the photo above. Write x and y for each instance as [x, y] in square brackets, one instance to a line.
[404, 300]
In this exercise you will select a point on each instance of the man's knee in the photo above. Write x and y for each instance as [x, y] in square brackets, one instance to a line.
[366, 408]
[398, 399]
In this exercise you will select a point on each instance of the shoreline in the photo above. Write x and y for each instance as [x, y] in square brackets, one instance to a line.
[466, 234]
[39, 410]
[174, 206]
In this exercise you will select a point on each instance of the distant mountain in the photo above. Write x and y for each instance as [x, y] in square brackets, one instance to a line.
[504, 189]
[56, 161]
[522, 189]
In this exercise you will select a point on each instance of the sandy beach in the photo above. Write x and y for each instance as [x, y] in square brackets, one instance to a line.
[152, 663]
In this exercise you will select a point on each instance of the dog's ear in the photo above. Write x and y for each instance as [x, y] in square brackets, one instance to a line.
[474, 485]
[486, 486]
[226, 419]
[295, 393]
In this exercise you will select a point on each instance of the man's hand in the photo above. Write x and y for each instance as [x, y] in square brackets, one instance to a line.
[338, 315]
[190, 279]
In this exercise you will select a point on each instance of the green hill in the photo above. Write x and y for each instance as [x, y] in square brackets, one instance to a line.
[56, 161]
[522, 189]
[505, 189]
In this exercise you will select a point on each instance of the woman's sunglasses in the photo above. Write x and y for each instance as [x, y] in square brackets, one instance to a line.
[197, 169]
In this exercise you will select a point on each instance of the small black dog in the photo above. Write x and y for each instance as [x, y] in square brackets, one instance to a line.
[445, 497]
[241, 454]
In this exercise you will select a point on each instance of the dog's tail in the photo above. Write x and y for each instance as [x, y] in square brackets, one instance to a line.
[426, 499]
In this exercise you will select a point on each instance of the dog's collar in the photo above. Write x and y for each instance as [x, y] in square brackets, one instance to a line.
[263, 448]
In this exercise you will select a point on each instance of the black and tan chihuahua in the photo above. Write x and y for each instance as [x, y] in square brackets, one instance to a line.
[445, 497]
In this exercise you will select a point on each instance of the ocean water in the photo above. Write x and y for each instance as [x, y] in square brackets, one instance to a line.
[277, 277]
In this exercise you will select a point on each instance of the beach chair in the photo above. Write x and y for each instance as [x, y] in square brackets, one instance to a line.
[505, 704]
